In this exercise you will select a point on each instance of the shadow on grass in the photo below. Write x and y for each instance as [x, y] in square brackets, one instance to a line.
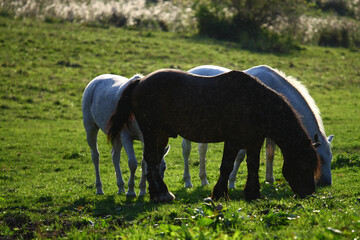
[131, 208]
[278, 190]
[192, 195]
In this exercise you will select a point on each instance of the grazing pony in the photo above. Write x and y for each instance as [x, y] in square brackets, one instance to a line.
[99, 100]
[168, 103]
[299, 98]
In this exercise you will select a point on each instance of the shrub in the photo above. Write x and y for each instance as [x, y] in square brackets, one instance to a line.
[334, 37]
[341, 7]
[343, 34]
[248, 22]
[251, 15]
[248, 15]
[211, 21]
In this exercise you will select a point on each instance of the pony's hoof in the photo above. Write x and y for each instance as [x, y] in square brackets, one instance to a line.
[121, 191]
[218, 195]
[142, 193]
[164, 198]
[232, 185]
[131, 195]
[249, 196]
[270, 180]
[188, 185]
[204, 182]
[100, 192]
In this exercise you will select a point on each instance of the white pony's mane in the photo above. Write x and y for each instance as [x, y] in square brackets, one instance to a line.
[305, 93]
[136, 76]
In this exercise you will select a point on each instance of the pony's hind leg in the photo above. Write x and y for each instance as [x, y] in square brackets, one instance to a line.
[238, 160]
[154, 145]
[270, 151]
[202, 156]
[221, 188]
[132, 162]
[115, 154]
[91, 137]
[186, 148]
[252, 187]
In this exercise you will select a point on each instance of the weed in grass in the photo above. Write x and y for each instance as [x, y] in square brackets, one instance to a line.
[346, 160]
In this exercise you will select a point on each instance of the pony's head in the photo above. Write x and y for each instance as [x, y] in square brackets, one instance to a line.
[325, 155]
[302, 171]
[162, 166]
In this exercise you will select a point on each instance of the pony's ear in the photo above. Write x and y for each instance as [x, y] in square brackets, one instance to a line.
[316, 142]
[316, 138]
[316, 145]
[330, 138]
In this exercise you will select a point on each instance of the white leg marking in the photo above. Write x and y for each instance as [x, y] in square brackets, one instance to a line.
[270, 151]
[202, 171]
[238, 160]
[186, 146]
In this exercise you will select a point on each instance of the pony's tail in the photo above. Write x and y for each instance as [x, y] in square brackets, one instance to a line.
[122, 113]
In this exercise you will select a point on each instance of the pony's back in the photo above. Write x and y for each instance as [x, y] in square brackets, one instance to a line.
[216, 98]
[100, 98]
[296, 92]
[208, 70]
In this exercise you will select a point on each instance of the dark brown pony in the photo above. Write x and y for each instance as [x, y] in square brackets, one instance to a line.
[168, 103]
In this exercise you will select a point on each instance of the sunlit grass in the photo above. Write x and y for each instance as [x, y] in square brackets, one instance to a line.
[47, 177]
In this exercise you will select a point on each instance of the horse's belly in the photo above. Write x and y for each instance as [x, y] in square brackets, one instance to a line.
[217, 132]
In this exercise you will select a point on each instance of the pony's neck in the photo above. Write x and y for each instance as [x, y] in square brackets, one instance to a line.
[288, 132]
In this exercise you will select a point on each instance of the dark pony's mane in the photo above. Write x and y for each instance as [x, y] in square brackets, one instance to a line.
[122, 114]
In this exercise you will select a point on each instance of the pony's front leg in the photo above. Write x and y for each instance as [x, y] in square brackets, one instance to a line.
[270, 151]
[142, 184]
[186, 148]
[202, 156]
[132, 162]
[238, 160]
[227, 164]
[252, 187]
[154, 145]
[115, 154]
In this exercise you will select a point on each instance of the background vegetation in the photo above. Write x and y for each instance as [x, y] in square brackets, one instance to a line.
[261, 25]
[46, 175]
[277, 25]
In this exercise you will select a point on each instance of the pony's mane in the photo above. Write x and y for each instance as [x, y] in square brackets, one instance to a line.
[136, 76]
[305, 93]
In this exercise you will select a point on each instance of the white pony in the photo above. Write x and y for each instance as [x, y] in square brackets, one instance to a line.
[301, 100]
[99, 100]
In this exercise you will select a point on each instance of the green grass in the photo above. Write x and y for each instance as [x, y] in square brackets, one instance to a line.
[47, 177]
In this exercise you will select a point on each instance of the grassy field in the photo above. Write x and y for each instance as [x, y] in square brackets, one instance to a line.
[47, 177]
